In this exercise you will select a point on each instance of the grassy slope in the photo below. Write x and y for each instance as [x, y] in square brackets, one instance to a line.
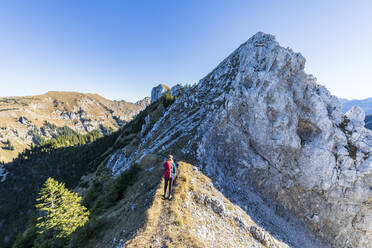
[192, 219]
[7, 155]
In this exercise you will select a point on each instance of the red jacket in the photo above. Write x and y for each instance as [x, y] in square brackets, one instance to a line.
[167, 169]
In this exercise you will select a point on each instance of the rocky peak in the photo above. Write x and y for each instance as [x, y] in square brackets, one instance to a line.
[259, 122]
[356, 114]
[161, 89]
[282, 132]
[268, 156]
[158, 91]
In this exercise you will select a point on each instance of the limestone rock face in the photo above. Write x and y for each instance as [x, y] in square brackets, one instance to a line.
[259, 123]
[287, 136]
[365, 104]
[158, 91]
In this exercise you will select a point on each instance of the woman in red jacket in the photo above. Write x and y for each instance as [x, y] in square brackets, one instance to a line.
[169, 174]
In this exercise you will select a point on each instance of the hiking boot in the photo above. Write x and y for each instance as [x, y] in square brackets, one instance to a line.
[170, 197]
[164, 197]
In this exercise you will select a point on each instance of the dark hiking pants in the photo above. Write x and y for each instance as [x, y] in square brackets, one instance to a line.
[166, 182]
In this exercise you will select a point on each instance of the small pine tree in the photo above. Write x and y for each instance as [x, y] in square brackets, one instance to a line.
[61, 209]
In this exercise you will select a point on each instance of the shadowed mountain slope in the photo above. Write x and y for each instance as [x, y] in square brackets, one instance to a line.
[66, 159]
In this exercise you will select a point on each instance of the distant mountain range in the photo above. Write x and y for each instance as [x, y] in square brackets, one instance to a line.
[32, 119]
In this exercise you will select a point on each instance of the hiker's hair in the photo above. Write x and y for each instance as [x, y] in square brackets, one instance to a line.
[170, 157]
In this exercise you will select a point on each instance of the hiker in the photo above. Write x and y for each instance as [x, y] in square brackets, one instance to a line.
[170, 170]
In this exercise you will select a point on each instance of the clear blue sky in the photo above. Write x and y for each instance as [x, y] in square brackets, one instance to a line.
[121, 49]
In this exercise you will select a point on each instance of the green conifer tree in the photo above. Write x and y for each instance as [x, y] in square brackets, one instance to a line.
[61, 209]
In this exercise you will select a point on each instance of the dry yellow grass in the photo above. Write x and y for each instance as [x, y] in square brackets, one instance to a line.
[186, 221]
[167, 222]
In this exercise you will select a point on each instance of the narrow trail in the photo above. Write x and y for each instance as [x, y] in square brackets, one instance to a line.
[199, 212]
[154, 232]
[160, 237]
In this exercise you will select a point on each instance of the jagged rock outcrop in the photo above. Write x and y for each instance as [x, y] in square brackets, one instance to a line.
[365, 104]
[158, 91]
[259, 123]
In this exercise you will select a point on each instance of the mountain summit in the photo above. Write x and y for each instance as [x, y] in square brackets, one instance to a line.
[266, 159]
[259, 124]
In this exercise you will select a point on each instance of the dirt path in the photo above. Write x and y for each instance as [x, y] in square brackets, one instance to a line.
[160, 237]
[155, 232]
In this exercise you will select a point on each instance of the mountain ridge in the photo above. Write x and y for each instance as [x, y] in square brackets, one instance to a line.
[284, 134]
[264, 134]
[29, 119]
